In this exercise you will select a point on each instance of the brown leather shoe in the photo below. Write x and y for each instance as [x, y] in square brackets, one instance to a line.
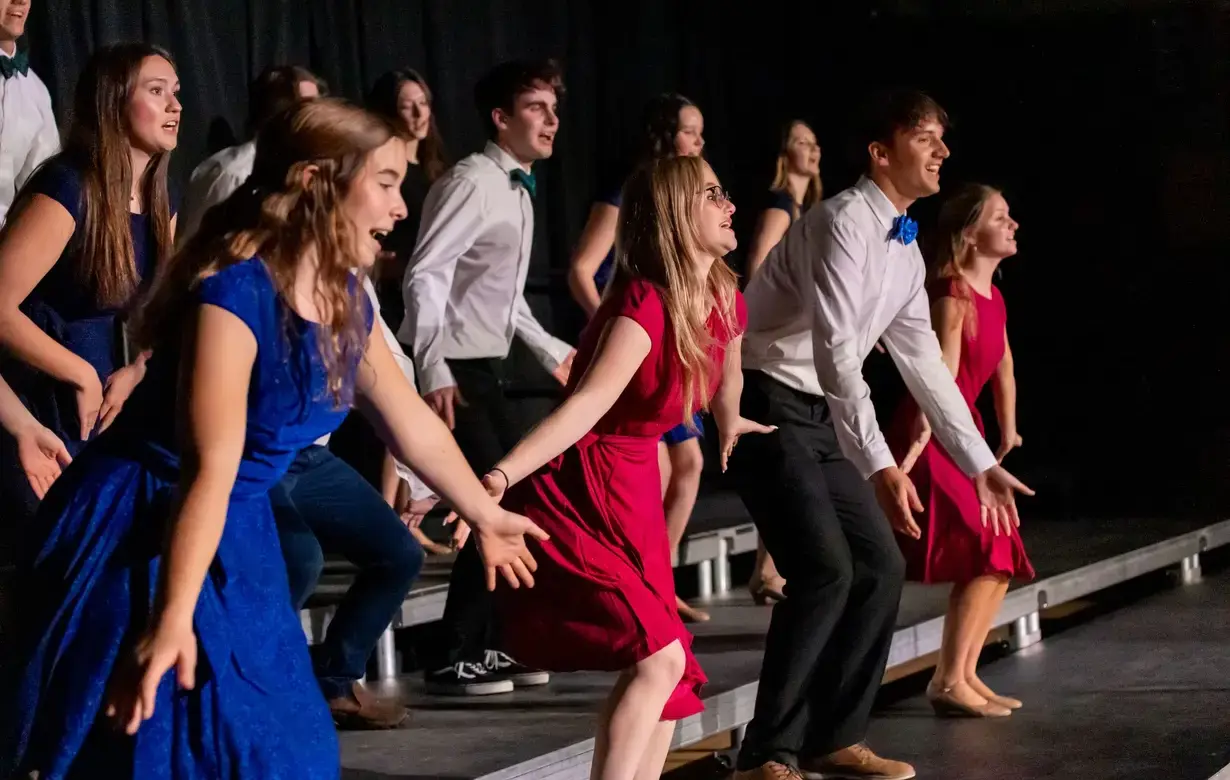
[856, 762]
[770, 771]
[360, 711]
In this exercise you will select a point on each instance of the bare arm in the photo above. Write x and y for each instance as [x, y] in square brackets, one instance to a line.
[30, 247]
[772, 226]
[623, 347]
[592, 248]
[1004, 390]
[947, 318]
[215, 388]
[725, 404]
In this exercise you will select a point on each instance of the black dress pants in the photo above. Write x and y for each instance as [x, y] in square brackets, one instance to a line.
[485, 431]
[828, 641]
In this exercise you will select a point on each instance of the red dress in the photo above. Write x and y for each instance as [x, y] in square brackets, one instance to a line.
[605, 592]
[954, 546]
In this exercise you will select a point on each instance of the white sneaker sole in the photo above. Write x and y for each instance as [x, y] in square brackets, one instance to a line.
[484, 688]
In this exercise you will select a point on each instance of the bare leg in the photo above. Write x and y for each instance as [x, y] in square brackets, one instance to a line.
[971, 662]
[678, 500]
[664, 466]
[767, 584]
[630, 718]
[655, 754]
[962, 628]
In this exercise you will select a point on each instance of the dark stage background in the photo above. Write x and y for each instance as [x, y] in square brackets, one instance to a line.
[1106, 122]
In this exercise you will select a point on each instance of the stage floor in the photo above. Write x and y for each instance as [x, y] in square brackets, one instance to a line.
[544, 733]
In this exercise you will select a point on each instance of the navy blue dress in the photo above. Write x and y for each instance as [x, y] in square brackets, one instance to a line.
[256, 711]
[680, 433]
[64, 306]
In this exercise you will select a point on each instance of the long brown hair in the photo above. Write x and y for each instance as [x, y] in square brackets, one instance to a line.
[656, 240]
[781, 176]
[98, 145]
[280, 213]
[958, 214]
[384, 99]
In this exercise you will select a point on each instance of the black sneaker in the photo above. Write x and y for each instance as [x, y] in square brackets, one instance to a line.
[503, 667]
[466, 679]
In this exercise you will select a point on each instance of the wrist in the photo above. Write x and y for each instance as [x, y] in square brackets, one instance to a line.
[83, 376]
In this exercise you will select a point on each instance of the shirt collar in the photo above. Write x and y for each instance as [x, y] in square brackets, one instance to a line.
[881, 206]
[506, 161]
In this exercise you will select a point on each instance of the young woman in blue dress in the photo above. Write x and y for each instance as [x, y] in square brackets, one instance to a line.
[157, 548]
[85, 234]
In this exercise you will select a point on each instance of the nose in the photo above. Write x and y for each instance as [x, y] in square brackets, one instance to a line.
[399, 210]
[700, 142]
[728, 206]
[552, 118]
[174, 106]
[941, 149]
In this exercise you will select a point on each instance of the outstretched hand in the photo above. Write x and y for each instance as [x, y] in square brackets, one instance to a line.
[997, 491]
[728, 435]
[43, 456]
[898, 500]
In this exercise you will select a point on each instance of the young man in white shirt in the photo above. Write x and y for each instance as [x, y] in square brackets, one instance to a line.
[464, 291]
[28, 133]
[847, 274]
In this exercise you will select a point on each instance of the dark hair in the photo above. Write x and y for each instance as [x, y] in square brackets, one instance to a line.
[275, 90]
[277, 214]
[502, 84]
[384, 99]
[97, 145]
[886, 112]
[660, 124]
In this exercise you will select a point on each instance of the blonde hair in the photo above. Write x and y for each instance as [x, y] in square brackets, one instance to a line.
[656, 240]
[781, 177]
[959, 213]
[279, 214]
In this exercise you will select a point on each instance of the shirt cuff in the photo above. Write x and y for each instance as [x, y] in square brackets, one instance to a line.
[554, 352]
[435, 377]
[977, 459]
[875, 458]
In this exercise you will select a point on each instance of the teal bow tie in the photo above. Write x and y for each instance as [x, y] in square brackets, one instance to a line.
[526, 180]
[18, 63]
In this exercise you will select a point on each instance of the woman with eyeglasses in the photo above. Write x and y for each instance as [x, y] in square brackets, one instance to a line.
[672, 127]
[663, 344]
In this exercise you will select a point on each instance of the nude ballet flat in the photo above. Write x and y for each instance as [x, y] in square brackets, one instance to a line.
[945, 706]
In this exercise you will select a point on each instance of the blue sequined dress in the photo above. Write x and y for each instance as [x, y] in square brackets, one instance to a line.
[256, 711]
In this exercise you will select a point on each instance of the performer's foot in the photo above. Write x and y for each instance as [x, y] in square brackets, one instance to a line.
[503, 667]
[465, 679]
[961, 701]
[985, 692]
[361, 711]
[429, 546]
[856, 762]
[767, 590]
[770, 771]
[689, 613]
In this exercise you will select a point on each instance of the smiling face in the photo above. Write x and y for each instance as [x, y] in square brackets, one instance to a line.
[373, 201]
[153, 110]
[912, 161]
[414, 107]
[13, 15]
[528, 131]
[994, 235]
[714, 212]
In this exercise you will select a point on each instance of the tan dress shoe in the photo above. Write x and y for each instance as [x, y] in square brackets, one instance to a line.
[360, 711]
[856, 762]
[770, 771]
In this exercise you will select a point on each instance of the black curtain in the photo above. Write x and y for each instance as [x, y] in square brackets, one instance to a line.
[1106, 124]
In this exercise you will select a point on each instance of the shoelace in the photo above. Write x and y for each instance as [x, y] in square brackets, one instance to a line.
[862, 753]
[497, 660]
[785, 772]
[467, 670]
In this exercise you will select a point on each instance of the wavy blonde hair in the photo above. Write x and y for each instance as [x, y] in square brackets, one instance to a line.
[279, 214]
[958, 215]
[657, 240]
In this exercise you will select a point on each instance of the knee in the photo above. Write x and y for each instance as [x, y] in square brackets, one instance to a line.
[687, 461]
[406, 557]
[664, 669]
[826, 575]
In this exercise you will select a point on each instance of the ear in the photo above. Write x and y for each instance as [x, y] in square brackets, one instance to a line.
[309, 173]
[878, 153]
[499, 118]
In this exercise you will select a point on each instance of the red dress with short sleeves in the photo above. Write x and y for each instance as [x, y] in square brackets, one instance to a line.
[605, 593]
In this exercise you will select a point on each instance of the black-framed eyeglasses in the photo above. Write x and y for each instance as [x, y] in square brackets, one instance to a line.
[718, 195]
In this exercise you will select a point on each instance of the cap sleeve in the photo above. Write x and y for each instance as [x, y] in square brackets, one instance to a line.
[780, 199]
[642, 303]
[245, 290]
[61, 182]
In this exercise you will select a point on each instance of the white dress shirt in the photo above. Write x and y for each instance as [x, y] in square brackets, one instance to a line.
[465, 284]
[834, 286]
[28, 133]
[212, 182]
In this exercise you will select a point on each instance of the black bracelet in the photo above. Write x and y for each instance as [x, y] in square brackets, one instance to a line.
[500, 471]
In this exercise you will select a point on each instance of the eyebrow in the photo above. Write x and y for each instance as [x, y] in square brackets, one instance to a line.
[388, 171]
